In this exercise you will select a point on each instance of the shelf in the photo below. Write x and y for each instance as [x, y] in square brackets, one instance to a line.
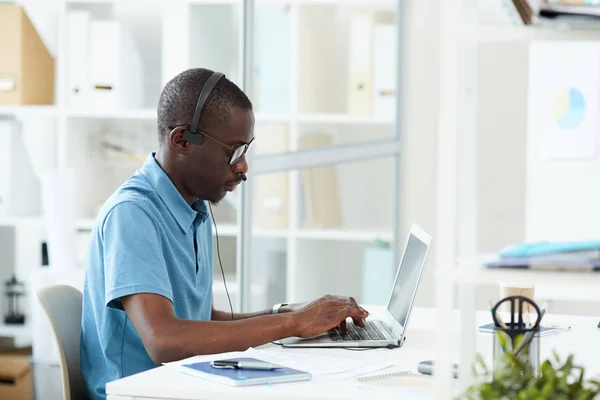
[86, 2]
[339, 234]
[208, 2]
[147, 114]
[21, 111]
[14, 221]
[230, 230]
[472, 271]
[373, 4]
[525, 32]
[344, 119]
[321, 234]
[14, 331]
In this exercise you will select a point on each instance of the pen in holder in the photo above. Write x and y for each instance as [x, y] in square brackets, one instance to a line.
[519, 337]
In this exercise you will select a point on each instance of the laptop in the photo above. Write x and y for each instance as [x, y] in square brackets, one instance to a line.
[390, 330]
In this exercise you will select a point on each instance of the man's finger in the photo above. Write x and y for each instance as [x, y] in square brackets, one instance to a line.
[359, 321]
[352, 312]
[354, 303]
[343, 326]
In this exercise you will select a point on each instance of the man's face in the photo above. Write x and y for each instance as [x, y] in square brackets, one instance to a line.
[209, 176]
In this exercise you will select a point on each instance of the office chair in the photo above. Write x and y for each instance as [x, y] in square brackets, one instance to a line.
[62, 305]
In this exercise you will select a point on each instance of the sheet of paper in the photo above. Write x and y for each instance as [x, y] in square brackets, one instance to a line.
[324, 366]
[316, 365]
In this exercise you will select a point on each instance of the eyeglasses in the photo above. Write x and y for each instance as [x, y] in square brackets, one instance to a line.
[237, 152]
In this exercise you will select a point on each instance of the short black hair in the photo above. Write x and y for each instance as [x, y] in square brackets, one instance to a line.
[178, 100]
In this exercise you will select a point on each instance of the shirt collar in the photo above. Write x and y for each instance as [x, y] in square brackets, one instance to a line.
[185, 215]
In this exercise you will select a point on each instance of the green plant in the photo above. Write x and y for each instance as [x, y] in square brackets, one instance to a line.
[514, 378]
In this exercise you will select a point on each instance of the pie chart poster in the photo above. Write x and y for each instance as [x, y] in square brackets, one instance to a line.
[564, 83]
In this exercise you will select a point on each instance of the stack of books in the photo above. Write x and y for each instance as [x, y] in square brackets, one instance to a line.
[575, 13]
[561, 255]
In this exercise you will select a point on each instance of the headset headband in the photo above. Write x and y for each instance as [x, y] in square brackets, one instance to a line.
[193, 135]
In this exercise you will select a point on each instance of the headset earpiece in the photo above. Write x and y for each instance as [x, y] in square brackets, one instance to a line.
[195, 138]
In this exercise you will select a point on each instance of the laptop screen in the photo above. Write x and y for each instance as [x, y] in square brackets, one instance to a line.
[407, 279]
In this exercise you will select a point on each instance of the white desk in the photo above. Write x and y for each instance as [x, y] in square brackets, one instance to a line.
[169, 383]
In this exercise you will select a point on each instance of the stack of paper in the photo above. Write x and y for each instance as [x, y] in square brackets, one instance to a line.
[549, 255]
[327, 367]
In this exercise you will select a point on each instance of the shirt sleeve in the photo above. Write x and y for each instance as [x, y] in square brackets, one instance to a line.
[133, 258]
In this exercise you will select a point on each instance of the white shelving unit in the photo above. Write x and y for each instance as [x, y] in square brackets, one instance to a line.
[461, 37]
[307, 98]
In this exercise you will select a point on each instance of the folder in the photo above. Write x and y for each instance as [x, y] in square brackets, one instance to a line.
[589, 248]
[244, 377]
[26, 66]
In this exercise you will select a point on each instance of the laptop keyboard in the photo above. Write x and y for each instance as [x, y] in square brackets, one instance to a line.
[369, 332]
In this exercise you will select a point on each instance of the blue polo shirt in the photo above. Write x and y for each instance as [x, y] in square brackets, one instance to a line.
[142, 242]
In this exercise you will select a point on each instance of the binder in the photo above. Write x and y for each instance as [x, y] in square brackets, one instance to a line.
[360, 85]
[320, 185]
[78, 32]
[271, 203]
[115, 65]
[384, 70]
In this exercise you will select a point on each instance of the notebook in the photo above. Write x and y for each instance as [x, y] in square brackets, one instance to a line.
[396, 379]
[244, 377]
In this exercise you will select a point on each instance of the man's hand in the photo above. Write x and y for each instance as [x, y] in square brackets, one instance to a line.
[326, 313]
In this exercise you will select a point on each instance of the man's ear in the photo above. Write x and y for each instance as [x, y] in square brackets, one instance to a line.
[176, 141]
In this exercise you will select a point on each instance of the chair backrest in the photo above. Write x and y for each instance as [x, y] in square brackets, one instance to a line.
[63, 304]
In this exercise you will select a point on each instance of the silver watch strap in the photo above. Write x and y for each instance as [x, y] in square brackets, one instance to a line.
[276, 307]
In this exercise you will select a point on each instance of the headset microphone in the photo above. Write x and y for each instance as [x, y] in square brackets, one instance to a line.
[242, 176]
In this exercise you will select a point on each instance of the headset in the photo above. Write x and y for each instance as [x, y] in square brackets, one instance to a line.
[192, 135]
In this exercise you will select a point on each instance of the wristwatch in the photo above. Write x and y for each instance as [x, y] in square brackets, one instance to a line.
[276, 307]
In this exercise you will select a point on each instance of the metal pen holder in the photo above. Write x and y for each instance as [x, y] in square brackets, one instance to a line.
[517, 336]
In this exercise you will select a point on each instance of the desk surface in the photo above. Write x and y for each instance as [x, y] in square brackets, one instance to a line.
[168, 383]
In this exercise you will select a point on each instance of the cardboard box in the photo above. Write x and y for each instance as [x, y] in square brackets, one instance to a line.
[15, 377]
[26, 66]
